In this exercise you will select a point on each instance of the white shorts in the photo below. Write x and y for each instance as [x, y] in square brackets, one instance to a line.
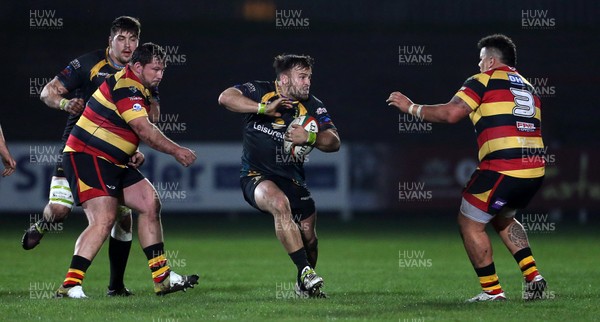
[478, 215]
[60, 192]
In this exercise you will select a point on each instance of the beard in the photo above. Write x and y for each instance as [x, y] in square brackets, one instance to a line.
[299, 94]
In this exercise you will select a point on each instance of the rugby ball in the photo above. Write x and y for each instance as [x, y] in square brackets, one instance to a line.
[309, 123]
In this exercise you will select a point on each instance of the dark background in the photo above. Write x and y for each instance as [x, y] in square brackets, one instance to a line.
[355, 44]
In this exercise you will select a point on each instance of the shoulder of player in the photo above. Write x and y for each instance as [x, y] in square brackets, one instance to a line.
[482, 78]
[313, 102]
[125, 86]
[88, 60]
[264, 86]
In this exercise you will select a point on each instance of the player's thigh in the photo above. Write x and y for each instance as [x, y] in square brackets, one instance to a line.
[141, 197]
[101, 210]
[270, 198]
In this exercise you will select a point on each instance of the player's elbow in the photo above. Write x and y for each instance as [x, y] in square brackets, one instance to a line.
[222, 99]
[330, 143]
[225, 98]
[44, 95]
[454, 116]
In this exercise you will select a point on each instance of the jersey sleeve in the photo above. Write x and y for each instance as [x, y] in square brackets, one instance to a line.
[131, 105]
[473, 89]
[74, 75]
[324, 119]
[252, 90]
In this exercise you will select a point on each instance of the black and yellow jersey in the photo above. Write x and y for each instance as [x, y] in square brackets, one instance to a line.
[264, 135]
[83, 76]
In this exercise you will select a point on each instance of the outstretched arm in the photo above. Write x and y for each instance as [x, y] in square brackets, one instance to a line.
[233, 100]
[152, 135]
[450, 112]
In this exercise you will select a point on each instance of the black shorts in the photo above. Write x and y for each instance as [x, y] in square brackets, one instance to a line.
[491, 192]
[301, 202]
[91, 177]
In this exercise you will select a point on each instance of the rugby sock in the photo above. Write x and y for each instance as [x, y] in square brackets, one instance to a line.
[157, 262]
[76, 271]
[118, 254]
[300, 259]
[312, 252]
[488, 279]
[524, 258]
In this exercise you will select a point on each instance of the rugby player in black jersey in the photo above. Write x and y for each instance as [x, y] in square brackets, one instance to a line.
[69, 92]
[271, 181]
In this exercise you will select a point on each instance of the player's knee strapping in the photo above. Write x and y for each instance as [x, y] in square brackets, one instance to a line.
[117, 231]
[60, 192]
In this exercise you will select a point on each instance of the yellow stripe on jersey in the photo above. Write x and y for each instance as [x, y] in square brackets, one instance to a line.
[267, 96]
[525, 173]
[102, 100]
[491, 109]
[104, 135]
[302, 110]
[483, 78]
[472, 104]
[131, 114]
[96, 69]
[510, 142]
[128, 82]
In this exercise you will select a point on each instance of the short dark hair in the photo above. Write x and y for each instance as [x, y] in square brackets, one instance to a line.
[285, 62]
[126, 23]
[503, 44]
[146, 52]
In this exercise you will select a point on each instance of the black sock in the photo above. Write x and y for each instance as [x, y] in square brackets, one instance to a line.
[312, 252]
[154, 250]
[118, 254]
[300, 259]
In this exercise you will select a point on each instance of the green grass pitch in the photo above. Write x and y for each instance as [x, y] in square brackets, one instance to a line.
[381, 271]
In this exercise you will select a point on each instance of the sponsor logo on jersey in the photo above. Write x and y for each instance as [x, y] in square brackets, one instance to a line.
[321, 110]
[525, 126]
[515, 80]
[251, 88]
[75, 63]
[137, 107]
